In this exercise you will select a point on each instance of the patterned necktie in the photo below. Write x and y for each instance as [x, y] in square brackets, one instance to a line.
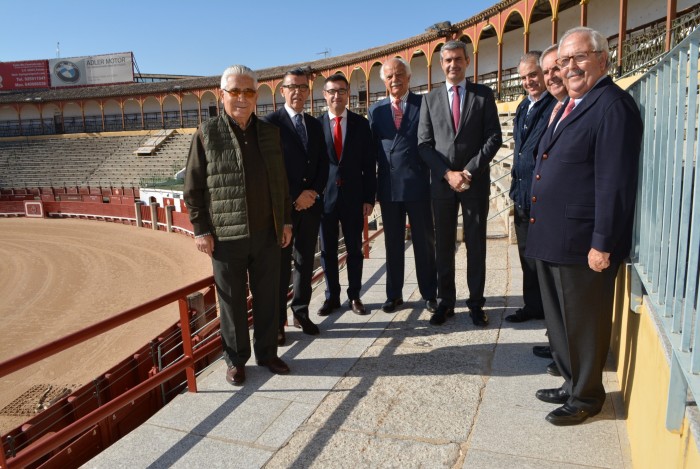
[554, 112]
[455, 107]
[398, 112]
[301, 130]
[568, 109]
[338, 138]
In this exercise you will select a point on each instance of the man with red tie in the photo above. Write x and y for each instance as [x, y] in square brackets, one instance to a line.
[581, 220]
[349, 195]
[458, 135]
[403, 188]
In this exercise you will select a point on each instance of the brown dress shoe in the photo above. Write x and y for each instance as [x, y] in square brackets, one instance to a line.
[358, 307]
[328, 306]
[235, 375]
[275, 365]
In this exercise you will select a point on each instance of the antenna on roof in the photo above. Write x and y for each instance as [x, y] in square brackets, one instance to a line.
[58, 50]
[324, 52]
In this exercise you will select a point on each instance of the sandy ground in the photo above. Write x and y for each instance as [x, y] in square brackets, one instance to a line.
[59, 276]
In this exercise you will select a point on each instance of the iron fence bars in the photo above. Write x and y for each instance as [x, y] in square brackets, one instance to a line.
[666, 254]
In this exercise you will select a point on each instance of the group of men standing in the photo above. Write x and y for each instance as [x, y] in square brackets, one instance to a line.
[259, 191]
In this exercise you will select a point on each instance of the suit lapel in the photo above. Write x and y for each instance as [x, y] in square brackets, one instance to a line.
[579, 110]
[328, 131]
[287, 121]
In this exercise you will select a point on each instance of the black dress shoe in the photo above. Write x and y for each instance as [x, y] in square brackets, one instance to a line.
[390, 305]
[569, 415]
[328, 306]
[307, 326]
[553, 396]
[235, 375]
[357, 307]
[521, 316]
[553, 369]
[275, 365]
[443, 312]
[542, 351]
[479, 317]
[281, 337]
[431, 305]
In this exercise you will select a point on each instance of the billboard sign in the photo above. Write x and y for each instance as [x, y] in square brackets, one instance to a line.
[24, 75]
[92, 70]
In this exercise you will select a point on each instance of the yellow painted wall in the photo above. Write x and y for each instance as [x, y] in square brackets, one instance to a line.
[643, 373]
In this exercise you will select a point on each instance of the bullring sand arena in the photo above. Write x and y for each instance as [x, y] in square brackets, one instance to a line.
[59, 276]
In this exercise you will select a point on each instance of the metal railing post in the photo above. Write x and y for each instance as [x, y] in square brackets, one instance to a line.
[187, 344]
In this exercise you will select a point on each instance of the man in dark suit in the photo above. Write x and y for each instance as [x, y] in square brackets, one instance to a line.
[306, 162]
[350, 192]
[458, 136]
[531, 120]
[403, 185]
[581, 220]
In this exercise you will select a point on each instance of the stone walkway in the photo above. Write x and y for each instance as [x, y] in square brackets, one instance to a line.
[387, 390]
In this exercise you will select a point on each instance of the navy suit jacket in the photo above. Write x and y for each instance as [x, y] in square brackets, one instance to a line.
[528, 129]
[585, 181]
[352, 181]
[471, 147]
[305, 169]
[402, 175]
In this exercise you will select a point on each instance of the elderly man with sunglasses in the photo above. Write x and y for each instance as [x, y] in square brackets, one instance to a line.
[238, 200]
[581, 219]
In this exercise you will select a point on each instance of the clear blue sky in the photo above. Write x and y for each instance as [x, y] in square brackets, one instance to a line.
[204, 37]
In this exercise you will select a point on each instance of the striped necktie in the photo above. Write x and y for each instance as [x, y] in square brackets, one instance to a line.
[398, 112]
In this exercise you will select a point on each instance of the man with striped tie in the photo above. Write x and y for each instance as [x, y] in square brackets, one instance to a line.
[403, 185]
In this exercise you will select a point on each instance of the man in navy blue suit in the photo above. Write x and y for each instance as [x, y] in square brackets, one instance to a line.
[531, 120]
[403, 185]
[581, 219]
[306, 162]
[350, 192]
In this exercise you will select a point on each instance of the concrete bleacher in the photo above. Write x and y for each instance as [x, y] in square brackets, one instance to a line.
[94, 160]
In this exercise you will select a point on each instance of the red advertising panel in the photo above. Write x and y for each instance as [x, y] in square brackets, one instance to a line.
[24, 75]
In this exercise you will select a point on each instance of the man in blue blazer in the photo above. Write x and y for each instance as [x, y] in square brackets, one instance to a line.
[306, 162]
[403, 186]
[458, 135]
[531, 120]
[581, 218]
[350, 192]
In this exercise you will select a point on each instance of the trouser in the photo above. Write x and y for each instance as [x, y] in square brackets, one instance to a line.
[257, 259]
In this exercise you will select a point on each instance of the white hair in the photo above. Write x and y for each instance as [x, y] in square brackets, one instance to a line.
[238, 70]
[398, 59]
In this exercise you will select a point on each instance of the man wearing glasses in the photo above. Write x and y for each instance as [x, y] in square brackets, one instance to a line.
[306, 161]
[581, 217]
[238, 200]
[350, 192]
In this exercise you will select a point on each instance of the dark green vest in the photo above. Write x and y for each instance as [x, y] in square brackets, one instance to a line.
[226, 178]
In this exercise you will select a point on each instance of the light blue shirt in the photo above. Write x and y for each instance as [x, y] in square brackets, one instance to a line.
[462, 93]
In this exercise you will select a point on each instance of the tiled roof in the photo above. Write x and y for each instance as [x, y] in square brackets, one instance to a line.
[136, 89]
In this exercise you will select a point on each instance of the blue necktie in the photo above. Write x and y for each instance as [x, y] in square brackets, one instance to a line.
[299, 126]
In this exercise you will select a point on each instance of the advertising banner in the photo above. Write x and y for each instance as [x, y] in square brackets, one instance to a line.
[24, 75]
[92, 70]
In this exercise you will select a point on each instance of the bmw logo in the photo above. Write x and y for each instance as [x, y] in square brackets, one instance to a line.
[67, 71]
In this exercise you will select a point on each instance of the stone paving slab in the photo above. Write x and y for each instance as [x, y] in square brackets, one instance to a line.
[386, 390]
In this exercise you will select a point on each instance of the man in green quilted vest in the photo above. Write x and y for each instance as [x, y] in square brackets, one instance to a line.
[238, 200]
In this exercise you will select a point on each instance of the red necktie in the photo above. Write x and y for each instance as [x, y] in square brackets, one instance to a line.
[398, 113]
[455, 107]
[338, 138]
[567, 110]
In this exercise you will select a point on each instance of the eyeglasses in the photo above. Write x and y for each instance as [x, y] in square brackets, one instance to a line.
[579, 58]
[235, 92]
[296, 87]
[339, 91]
